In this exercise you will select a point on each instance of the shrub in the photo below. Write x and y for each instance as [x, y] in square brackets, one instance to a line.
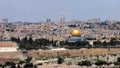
[84, 63]
[40, 64]
[116, 63]
[28, 65]
[100, 62]
[69, 63]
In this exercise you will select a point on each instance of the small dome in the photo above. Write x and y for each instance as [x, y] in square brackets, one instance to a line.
[76, 32]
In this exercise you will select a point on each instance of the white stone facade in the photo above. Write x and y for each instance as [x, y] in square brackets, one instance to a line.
[8, 46]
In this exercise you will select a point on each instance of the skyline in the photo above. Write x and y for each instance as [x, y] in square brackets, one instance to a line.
[40, 10]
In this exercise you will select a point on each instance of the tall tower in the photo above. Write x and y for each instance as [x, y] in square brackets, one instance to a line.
[62, 19]
[48, 20]
[4, 21]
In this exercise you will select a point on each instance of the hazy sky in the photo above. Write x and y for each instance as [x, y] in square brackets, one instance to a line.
[37, 10]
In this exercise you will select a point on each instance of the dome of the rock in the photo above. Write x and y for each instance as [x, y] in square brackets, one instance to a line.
[76, 32]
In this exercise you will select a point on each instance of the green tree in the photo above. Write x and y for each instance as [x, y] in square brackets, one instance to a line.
[118, 59]
[7, 63]
[28, 60]
[105, 44]
[97, 43]
[18, 40]
[1, 65]
[60, 60]
[28, 46]
[42, 42]
[21, 62]
[25, 39]
[13, 65]
[113, 41]
[30, 40]
[62, 43]
[18, 66]
[13, 39]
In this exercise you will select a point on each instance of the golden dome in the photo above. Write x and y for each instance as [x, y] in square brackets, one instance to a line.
[76, 32]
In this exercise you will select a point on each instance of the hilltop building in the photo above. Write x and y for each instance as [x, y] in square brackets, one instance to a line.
[76, 36]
